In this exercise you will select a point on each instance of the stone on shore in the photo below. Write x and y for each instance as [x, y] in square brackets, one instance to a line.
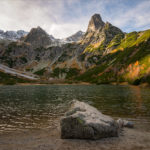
[124, 123]
[83, 121]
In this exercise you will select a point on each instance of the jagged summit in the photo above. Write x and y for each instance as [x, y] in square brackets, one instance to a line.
[12, 35]
[36, 30]
[104, 53]
[38, 37]
[75, 37]
[99, 32]
[95, 23]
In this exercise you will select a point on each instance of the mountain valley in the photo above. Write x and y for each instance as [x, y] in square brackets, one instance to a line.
[103, 54]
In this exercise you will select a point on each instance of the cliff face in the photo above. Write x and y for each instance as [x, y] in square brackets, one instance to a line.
[37, 37]
[95, 23]
[128, 61]
[75, 37]
[103, 54]
[99, 34]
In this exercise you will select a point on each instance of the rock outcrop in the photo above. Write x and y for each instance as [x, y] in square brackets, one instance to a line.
[74, 38]
[83, 121]
[104, 54]
[37, 37]
[99, 32]
[95, 23]
[39, 50]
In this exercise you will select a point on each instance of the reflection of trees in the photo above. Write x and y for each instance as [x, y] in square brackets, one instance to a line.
[113, 100]
[137, 98]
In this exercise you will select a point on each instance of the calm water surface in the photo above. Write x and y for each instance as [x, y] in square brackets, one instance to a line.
[38, 106]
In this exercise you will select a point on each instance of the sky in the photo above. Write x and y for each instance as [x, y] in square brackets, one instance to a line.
[62, 18]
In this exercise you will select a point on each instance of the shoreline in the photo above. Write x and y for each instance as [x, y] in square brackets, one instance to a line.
[49, 139]
[143, 85]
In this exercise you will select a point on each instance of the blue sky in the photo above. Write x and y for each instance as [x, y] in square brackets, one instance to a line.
[62, 18]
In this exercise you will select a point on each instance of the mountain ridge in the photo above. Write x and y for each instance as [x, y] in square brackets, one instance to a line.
[20, 35]
[104, 54]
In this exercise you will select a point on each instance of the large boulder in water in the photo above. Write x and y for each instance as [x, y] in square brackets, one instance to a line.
[83, 121]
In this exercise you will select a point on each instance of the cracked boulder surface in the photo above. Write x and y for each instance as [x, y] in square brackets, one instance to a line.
[83, 121]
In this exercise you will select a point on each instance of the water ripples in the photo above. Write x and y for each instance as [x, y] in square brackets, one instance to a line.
[32, 107]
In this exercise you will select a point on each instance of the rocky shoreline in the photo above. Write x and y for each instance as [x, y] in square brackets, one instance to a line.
[49, 139]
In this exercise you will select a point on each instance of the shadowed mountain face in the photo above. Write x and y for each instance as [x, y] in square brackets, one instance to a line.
[95, 23]
[37, 37]
[103, 54]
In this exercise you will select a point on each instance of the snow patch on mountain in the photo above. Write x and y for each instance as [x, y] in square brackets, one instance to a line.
[18, 73]
[12, 35]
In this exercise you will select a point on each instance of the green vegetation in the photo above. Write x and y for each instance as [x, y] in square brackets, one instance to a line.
[129, 40]
[69, 73]
[40, 49]
[8, 79]
[92, 48]
[23, 59]
[37, 58]
[143, 37]
[82, 57]
[130, 63]
[115, 41]
[29, 69]
[91, 75]
[63, 57]
[126, 58]
[68, 45]
[93, 59]
[40, 72]
[11, 46]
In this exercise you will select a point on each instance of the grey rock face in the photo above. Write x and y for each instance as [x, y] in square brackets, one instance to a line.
[75, 37]
[86, 122]
[95, 23]
[1, 31]
[39, 50]
[37, 37]
[99, 32]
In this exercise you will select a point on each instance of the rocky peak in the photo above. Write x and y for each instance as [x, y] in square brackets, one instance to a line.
[37, 31]
[37, 37]
[99, 32]
[1, 31]
[111, 31]
[95, 23]
[22, 33]
[75, 37]
[12, 35]
[80, 32]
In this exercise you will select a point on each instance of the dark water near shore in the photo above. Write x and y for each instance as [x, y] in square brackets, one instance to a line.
[38, 106]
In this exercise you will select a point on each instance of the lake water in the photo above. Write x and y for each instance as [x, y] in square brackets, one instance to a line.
[38, 106]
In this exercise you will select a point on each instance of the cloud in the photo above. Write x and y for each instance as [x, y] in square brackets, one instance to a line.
[134, 18]
[62, 18]
[25, 14]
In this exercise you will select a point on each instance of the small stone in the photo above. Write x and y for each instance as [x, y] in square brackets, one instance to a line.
[124, 123]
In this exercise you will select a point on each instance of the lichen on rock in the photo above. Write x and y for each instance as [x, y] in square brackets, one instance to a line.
[83, 121]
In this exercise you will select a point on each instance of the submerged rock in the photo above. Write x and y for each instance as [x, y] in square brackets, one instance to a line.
[86, 122]
[124, 123]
